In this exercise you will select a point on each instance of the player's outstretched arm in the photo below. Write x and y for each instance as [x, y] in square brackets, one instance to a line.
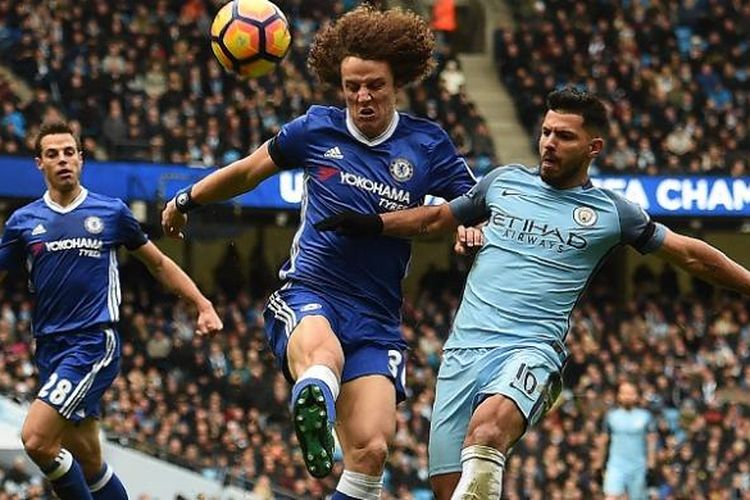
[236, 178]
[420, 221]
[403, 223]
[174, 279]
[704, 261]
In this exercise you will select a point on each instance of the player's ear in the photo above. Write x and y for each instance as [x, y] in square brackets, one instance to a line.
[38, 161]
[595, 147]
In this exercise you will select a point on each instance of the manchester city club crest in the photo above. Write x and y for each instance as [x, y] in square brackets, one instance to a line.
[585, 216]
[401, 170]
[93, 224]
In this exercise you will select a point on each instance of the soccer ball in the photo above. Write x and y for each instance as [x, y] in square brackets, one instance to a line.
[249, 37]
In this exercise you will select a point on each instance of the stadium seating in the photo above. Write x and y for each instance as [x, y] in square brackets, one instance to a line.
[218, 406]
[676, 82]
[143, 85]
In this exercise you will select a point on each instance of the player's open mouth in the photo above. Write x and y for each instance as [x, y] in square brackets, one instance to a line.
[366, 113]
[548, 161]
[64, 173]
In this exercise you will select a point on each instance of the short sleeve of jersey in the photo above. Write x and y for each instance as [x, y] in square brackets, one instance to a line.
[471, 207]
[605, 423]
[11, 245]
[452, 175]
[130, 233]
[287, 147]
[651, 426]
[638, 230]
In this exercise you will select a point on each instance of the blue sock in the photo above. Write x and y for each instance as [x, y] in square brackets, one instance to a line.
[107, 486]
[337, 495]
[324, 378]
[67, 478]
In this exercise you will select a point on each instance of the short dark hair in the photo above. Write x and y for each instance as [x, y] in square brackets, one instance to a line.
[580, 102]
[400, 38]
[54, 127]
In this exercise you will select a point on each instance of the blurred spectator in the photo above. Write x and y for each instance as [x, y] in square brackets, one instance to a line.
[675, 82]
[144, 85]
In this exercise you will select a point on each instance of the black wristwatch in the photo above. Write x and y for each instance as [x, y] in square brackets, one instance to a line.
[183, 200]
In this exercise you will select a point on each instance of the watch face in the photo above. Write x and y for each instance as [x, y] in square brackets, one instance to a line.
[182, 199]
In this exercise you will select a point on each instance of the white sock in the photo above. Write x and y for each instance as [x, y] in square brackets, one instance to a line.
[322, 372]
[62, 464]
[481, 474]
[358, 485]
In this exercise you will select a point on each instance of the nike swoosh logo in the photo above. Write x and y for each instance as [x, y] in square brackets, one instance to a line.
[510, 192]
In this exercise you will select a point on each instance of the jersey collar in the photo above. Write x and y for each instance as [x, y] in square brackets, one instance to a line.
[387, 133]
[73, 205]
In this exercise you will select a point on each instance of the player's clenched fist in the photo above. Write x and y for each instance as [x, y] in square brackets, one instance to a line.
[468, 240]
[208, 321]
[172, 221]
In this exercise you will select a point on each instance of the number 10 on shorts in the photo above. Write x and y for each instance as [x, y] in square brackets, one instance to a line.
[525, 381]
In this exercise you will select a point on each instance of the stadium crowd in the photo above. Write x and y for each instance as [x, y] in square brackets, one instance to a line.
[143, 85]
[218, 406]
[676, 76]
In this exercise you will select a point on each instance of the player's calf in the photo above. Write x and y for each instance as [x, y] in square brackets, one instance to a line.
[41, 436]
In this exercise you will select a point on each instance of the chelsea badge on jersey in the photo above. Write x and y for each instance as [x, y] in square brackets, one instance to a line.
[401, 169]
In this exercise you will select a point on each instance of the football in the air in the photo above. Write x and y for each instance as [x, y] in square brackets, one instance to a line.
[250, 37]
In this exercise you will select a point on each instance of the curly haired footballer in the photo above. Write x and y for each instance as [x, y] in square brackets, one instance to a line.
[401, 38]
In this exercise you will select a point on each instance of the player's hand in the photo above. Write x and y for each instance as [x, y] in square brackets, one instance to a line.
[208, 320]
[352, 224]
[468, 240]
[172, 221]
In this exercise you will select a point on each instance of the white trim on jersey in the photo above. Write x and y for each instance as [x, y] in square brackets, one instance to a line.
[73, 205]
[387, 133]
[283, 312]
[294, 250]
[67, 408]
[113, 287]
[468, 169]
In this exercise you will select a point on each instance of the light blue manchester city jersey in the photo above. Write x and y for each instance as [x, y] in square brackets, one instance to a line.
[627, 437]
[542, 245]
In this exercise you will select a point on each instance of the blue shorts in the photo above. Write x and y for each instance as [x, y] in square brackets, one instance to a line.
[371, 345]
[620, 480]
[75, 369]
[528, 375]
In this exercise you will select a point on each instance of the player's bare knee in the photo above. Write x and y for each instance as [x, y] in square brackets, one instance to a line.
[38, 447]
[488, 433]
[369, 457]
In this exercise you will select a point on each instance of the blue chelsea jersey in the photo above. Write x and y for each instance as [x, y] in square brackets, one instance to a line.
[343, 170]
[70, 256]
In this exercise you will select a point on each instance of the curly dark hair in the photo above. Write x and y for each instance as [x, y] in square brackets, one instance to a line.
[400, 38]
[580, 102]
